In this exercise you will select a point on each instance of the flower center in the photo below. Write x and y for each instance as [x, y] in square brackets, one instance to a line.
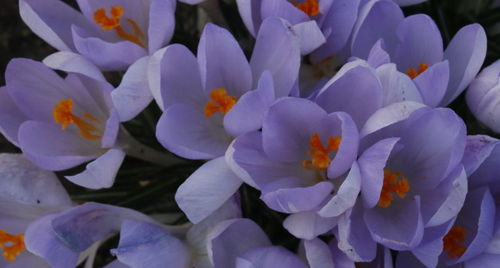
[63, 114]
[413, 73]
[219, 102]
[310, 7]
[394, 183]
[320, 159]
[12, 245]
[452, 242]
[113, 23]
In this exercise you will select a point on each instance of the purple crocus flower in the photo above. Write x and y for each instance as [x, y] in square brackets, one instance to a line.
[61, 123]
[209, 100]
[324, 26]
[483, 97]
[302, 155]
[413, 184]
[26, 193]
[415, 45]
[111, 34]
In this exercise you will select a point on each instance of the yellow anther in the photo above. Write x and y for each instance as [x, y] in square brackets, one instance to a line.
[12, 245]
[452, 242]
[219, 102]
[320, 158]
[310, 7]
[394, 183]
[63, 114]
[113, 23]
[413, 73]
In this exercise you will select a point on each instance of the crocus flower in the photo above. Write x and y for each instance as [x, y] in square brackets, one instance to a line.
[413, 184]
[111, 34]
[483, 96]
[302, 155]
[59, 238]
[415, 45]
[26, 193]
[328, 23]
[61, 123]
[209, 100]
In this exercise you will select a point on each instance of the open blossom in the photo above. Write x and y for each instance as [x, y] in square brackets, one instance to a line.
[303, 162]
[483, 96]
[411, 181]
[61, 123]
[328, 23]
[415, 45]
[26, 194]
[111, 34]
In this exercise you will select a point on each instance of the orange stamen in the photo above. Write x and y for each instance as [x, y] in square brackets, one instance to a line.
[63, 114]
[12, 245]
[320, 158]
[219, 102]
[394, 182]
[310, 7]
[453, 240]
[113, 23]
[413, 73]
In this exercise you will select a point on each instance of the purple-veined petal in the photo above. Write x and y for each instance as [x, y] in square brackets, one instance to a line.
[71, 62]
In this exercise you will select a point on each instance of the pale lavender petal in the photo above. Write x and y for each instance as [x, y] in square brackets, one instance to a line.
[248, 113]
[485, 81]
[318, 254]
[232, 237]
[11, 117]
[292, 200]
[222, 62]
[107, 56]
[420, 42]
[372, 163]
[397, 87]
[133, 94]
[25, 183]
[187, 132]
[282, 9]
[101, 172]
[41, 240]
[378, 56]
[173, 73]
[161, 23]
[348, 149]
[405, 221]
[207, 189]
[268, 257]
[477, 150]
[465, 53]
[345, 196]
[144, 244]
[288, 128]
[310, 36]
[71, 62]
[377, 19]
[52, 20]
[357, 92]
[308, 225]
[49, 147]
[250, 14]
[276, 50]
[433, 82]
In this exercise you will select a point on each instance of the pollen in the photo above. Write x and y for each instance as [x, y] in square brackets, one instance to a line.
[394, 183]
[413, 73]
[113, 23]
[452, 242]
[310, 7]
[320, 158]
[63, 114]
[219, 102]
[12, 245]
